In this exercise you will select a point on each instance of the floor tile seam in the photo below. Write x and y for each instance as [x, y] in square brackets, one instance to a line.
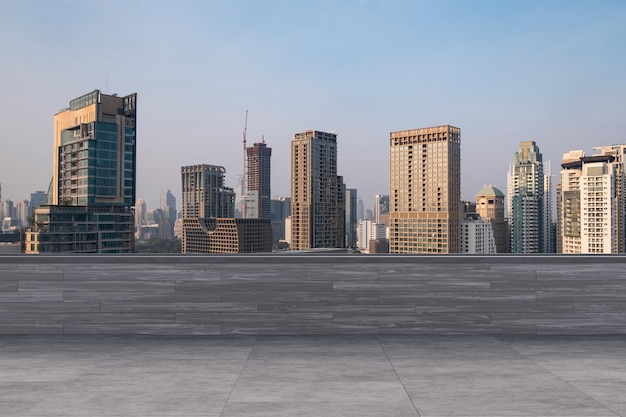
[398, 376]
[256, 339]
[510, 346]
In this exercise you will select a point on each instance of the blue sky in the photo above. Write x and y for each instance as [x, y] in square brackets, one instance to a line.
[504, 72]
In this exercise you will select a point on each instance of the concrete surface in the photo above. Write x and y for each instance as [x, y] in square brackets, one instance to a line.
[303, 376]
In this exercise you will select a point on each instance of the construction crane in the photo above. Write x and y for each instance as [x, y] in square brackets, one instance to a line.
[244, 190]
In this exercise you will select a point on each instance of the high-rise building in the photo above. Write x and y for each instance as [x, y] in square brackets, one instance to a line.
[94, 170]
[490, 207]
[317, 193]
[425, 190]
[528, 201]
[381, 209]
[360, 210]
[22, 211]
[477, 235]
[351, 217]
[209, 223]
[168, 206]
[280, 210]
[588, 203]
[368, 231]
[258, 205]
[205, 194]
[619, 153]
[140, 216]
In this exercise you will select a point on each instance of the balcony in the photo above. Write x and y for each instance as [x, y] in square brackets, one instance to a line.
[314, 335]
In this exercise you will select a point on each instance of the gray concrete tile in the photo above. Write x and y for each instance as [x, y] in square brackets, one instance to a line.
[8, 286]
[50, 286]
[87, 403]
[30, 297]
[142, 329]
[334, 409]
[40, 307]
[142, 296]
[6, 318]
[324, 391]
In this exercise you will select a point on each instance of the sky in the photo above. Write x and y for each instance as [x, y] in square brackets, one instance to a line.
[502, 71]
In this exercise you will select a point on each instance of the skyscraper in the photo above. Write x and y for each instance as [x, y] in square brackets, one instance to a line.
[281, 209]
[425, 190]
[205, 194]
[528, 201]
[351, 218]
[477, 235]
[490, 207]
[588, 204]
[258, 191]
[94, 176]
[209, 223]
[317, 193]
[168, 206]
[381, 209]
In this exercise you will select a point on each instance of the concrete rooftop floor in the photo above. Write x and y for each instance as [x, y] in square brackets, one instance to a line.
[312, 376]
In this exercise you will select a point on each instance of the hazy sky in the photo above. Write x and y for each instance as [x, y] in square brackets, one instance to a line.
[503, 71]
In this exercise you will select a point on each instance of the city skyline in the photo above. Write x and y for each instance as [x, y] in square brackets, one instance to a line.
[503, 73]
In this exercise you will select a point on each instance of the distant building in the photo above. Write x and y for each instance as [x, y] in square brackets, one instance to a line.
[425, 190]
[258, 193]
[379, 246]
[317, 192]
[529, 201]
[368, 231]
[22, 212]
[94, 177]
[381, 207]
[589, 202]
[209, 225]
[205, 194]
[280, 210]
[81, 229]
[140, 216]
[178, 228]
[227, 235]
[360, 209]
[477, 235]
[168, 206]
[351, 217]
[38, 198]
[490, 206]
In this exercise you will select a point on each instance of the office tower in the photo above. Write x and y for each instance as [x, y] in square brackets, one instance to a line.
[381, 209]
[280, 210]
[369, 215]
[168, 206]
[351, 217]
[490, 207]
[589, 203]
[94, 171]
[317, 193]
[209, 224]
[477, 235]
[425, 190]
[239, 198]
[529, 211]
[204, 192]
[258, 191]
[360, 209]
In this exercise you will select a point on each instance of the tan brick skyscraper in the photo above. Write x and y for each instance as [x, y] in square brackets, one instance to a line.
[425, 190]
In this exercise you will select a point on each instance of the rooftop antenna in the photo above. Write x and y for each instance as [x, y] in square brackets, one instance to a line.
[263, 138]
[244, 191]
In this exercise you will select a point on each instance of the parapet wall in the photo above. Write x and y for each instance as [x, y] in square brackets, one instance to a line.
[312, 294]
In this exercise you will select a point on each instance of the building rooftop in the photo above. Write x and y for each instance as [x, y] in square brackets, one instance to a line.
[490, 190]
[305, 376]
